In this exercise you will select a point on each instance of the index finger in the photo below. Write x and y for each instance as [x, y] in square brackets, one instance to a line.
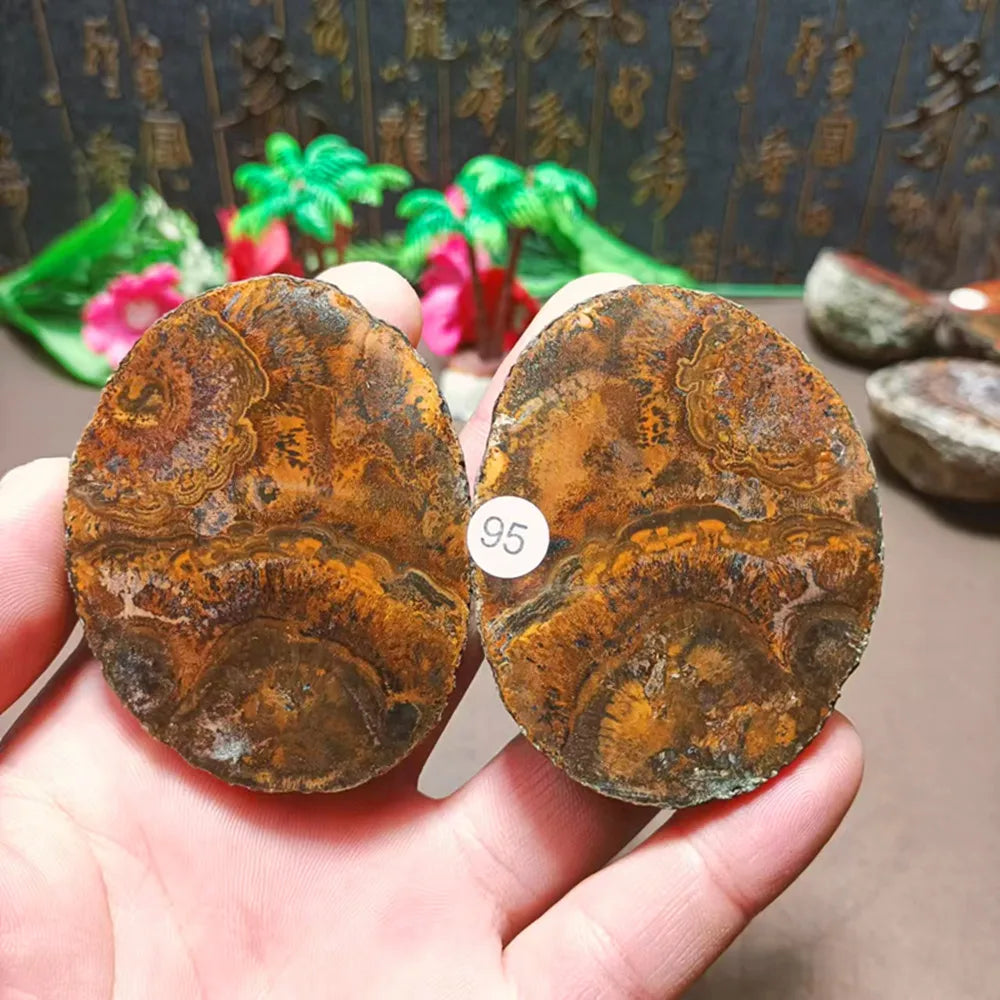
[36, 610]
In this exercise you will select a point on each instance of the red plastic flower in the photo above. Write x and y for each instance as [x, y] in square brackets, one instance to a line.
[449, 301]
[113, 320]
[249, 258]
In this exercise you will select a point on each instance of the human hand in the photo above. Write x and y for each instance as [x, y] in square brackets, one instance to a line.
[125, 872]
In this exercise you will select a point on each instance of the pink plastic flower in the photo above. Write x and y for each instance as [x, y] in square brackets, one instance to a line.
[113, 320]
[456, 199]
[270, 253]
[449, 302]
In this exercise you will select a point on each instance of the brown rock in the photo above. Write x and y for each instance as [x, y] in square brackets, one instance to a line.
[938, 424]
[715, 554]
[865, 313]
[265, 529]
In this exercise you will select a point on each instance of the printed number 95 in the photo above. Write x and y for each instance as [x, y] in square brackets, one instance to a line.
[493, 534]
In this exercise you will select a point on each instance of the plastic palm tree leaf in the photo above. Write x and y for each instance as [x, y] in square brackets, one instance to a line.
[284, 152]
[251, 220]
[332, 204]
[415, 203]
[424, 231]
[416, 248]
[483, 227]
[557, 178]
[483, 174]
[335, 161]
[358, 185]
[313, 221]
[390, 177]
[258, 179]
[526, 208]
[433, 225]
[333, 146]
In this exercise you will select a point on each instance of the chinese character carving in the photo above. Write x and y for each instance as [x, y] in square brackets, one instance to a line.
[13, 184]
[661, 174]
[425, 29]
[402, 135]
[687, 29]
[775, 157]
[347, 83]
[847, 51]
[557, 132]
[272, 90]
[627, 94]
[100, 54]
[956, 80]
[980, 163]
[394, 70]
[836, 133]
[703, 249]
[109, 162]
[147, 53]
[816, 220]
[803, 63]
[589, 17]
[745, 254]
[329, 30]
[485, 92]
[163, 141]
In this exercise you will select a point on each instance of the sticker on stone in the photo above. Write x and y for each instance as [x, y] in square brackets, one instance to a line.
[508, 537]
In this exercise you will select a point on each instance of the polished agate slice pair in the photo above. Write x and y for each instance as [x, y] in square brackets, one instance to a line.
[266, 531]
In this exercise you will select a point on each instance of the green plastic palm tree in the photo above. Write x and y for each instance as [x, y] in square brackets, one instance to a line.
[314, 188]
[542, 199]
[430, 218]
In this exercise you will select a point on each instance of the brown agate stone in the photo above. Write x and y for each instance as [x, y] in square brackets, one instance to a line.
[715, 552]
[265, 529]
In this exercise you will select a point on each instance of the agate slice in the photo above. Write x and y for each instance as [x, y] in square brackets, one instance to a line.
[715, 552]
[265, 529]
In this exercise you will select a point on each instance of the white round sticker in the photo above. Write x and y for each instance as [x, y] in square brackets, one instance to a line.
[508, 537]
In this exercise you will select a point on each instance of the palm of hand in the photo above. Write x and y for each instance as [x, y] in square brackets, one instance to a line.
[126, 873]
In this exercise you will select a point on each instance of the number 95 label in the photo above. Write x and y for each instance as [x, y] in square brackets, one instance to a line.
[508, 537]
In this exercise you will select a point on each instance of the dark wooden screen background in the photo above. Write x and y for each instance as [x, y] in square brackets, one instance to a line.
[733, 136]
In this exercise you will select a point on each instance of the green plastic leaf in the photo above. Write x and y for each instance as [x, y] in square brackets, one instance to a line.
[558, 181]
[525, 208]
[313, 221]
[58, 334]
[259, 180]
[542, 269]
[251, 220]
[483, 227]
[483, 174]
[333, 149]
[357, 185]
[284, 152]
[415, 203]
[424, 232]
[388, 251]
[60, 337]
[332, 204]
[390, 177]
[94, 236]
[602, 251]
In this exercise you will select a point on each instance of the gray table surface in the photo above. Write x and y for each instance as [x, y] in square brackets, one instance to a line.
[904, 903]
